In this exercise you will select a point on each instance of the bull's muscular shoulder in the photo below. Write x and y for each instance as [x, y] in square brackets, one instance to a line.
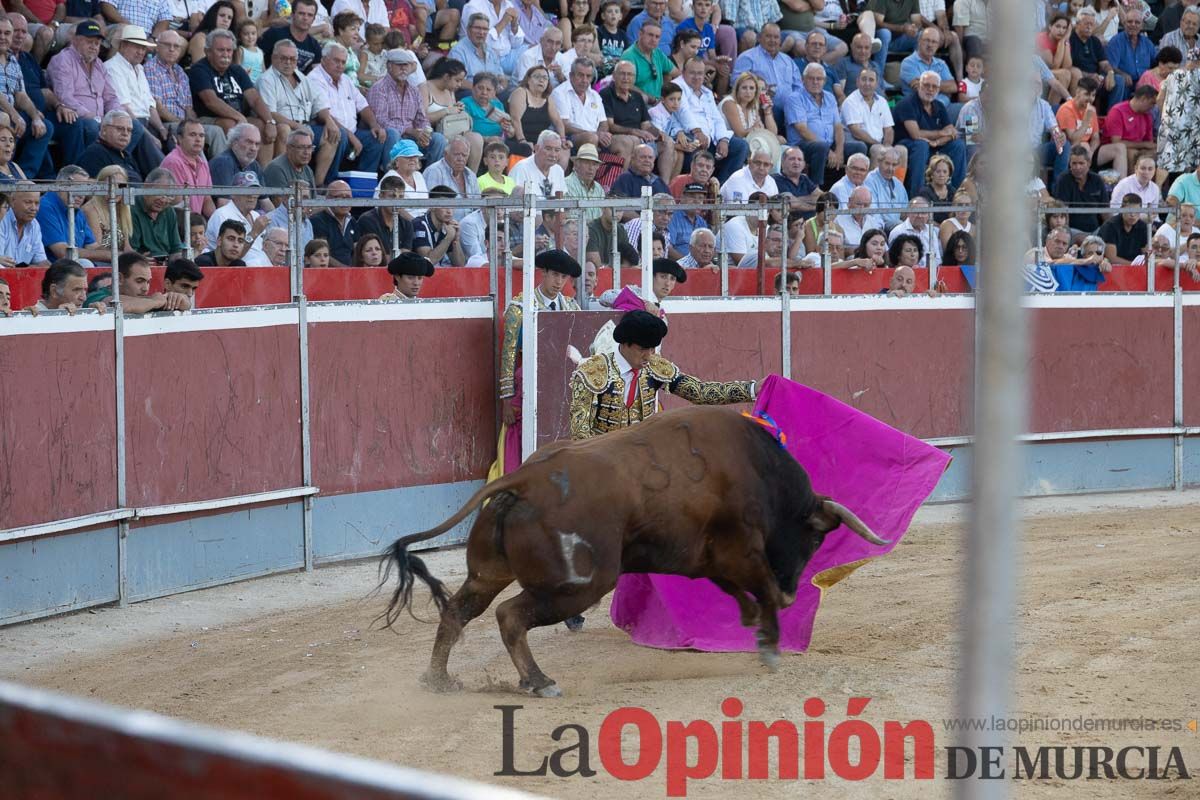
[595, 373]
[662, 369]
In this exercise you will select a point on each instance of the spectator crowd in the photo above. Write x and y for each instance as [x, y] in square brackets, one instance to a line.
[875, 107]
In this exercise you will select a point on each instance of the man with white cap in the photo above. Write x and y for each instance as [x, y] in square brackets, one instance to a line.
[128, 79]
[398, 105]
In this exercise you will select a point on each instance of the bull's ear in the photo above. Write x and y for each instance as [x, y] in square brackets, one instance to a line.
[823, 520]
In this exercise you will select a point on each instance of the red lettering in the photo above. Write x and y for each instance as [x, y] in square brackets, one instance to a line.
[788, 752]
[814, 740]
[678, 768]
[649, 750]
[731, 740]
[868, 749]
[894, 735]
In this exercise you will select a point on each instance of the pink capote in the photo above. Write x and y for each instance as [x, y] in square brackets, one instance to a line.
[880, 473]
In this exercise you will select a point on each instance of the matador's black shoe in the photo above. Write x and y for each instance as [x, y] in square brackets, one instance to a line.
[574, 623]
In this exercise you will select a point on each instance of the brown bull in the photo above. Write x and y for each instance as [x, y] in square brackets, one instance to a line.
[701, 492]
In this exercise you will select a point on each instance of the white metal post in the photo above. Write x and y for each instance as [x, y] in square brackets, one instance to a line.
[528, 331]
[647, 244]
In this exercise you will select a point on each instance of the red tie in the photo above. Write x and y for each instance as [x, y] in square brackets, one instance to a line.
[633, 385]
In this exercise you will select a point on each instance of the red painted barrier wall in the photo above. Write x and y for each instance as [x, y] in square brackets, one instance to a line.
[212, 414]
[910, 369]
[1100, 368]
[401, 403]
[58, 440]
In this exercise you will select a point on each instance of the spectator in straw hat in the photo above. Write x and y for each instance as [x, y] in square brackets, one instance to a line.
[581, 183]
[398, 105]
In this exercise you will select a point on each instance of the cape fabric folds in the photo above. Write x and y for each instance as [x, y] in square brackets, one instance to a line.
[880, 473]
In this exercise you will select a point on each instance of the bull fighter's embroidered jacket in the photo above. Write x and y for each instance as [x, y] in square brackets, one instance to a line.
[510, 349]
[598, 393]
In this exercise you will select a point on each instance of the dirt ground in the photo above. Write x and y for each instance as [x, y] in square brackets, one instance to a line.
[1108, 625]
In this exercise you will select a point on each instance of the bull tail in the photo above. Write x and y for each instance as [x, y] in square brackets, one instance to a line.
[409, 567]
[851, 521]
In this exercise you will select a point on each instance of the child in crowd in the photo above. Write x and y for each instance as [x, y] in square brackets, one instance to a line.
[701, 22]
[198, 234]
[316, 253]
[973, 83]
[249, 54]
[372, 58]
[668, 117]
[611, 37]
[495, 158]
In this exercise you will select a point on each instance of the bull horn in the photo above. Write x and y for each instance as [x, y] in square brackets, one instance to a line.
[851, 521]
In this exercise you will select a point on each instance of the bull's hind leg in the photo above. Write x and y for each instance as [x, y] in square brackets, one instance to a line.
[519, 614]
[471, 600]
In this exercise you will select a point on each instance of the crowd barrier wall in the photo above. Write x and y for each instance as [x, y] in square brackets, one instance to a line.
[225, 287]
[273, 438]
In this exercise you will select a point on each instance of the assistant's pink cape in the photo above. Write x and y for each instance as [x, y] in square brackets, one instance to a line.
[880, 473]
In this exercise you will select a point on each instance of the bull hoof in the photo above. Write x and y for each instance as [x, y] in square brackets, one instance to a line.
[574, 623]
[441, 683]
[549, 690]
[769, 656]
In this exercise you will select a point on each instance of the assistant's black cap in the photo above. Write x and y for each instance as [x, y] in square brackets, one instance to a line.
[641, 328]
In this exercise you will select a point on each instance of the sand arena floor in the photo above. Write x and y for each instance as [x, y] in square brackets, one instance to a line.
[1108, 627]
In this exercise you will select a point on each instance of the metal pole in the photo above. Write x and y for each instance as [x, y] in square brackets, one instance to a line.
[785, 304]
[493, 248]
[783, 255]
[826, 260]
[615, 256]
[1178, 411]
[723, 258]
[989, 604]
[528, 333]
[187, 227]
[72, 251]
[114, 247]
[762, 249]
[119, 381]
[296, 212]
[305, 428]
[647, 246]
[930, 233]
[395, 231]
[528, 250]
[580, 223]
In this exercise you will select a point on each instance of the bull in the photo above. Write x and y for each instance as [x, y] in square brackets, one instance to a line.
[701, 492]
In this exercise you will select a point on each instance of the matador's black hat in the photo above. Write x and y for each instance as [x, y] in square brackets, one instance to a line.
[671, 267]
[410, 264]
[559, 261]
[641, 328]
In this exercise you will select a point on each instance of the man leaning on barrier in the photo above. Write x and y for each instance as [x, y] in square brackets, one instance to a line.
[5, 298]
[64, 288]
[134, 285]
[183, 277]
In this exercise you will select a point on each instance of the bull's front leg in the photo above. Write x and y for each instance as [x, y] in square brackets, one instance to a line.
[768, 633]
[754, 576]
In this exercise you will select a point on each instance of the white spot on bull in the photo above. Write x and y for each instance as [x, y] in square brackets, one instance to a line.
[569, 542]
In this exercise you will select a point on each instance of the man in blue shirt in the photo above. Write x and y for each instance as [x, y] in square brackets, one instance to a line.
[924, 59]
[814, 124]
[54, 220]
[655, 10]
[20, 234]
[765, 60]
[640, 173]
[791, 180]
[924, 128]
[1129, 52]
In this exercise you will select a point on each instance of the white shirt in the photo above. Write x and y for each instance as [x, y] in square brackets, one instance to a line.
[741, 185]
[931, 242]
[737, 236]
[532, 57]
[527, 170]
[345, 100]
[703, 108]
[182, 9]
[587, 113]
[854, 231]
[842, 190]
[873, 118]
[129, 82]
[930, 9]
[230, 211]
[1167, 230]
[626, 371]
[500, 43]
[377, 14]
